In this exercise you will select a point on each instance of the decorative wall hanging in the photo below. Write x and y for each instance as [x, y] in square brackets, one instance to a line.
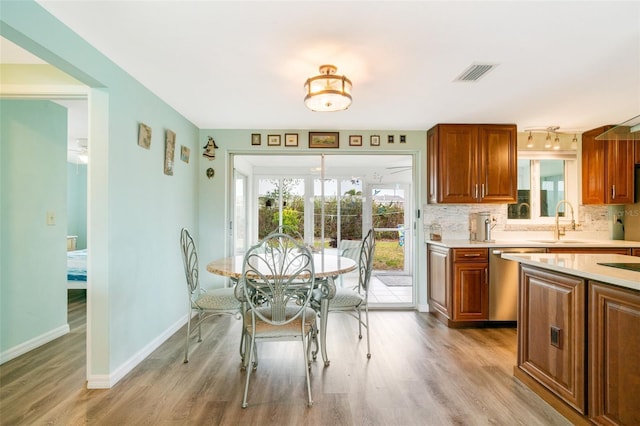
[255, 139]
[273, 140]
[144, 135]
[403, 138]
[210, 172]
[375, 140]
[355, 140]
[210, 149]
[390, 138]
[184, 153]
[290, 139]
[169, 152]
[324, 140]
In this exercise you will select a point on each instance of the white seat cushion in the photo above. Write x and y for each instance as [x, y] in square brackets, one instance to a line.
[220, 298]
[344, 298]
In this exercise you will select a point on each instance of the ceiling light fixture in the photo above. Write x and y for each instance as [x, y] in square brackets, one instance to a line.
[547, 141]
[530, 140]
[556, 142]
[574, 142]
[327, 92]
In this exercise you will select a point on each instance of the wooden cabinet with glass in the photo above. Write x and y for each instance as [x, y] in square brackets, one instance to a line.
[607, 169]
[472, 163]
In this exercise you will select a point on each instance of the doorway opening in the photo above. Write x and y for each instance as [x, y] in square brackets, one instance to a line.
[330, 199]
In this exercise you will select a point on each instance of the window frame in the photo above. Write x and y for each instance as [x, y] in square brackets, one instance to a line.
[571, 184]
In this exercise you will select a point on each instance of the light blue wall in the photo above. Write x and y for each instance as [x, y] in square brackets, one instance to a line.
[77, 203]
[33, 295]
[136, 279]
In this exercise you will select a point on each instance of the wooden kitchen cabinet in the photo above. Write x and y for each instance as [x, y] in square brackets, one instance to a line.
[470, 285]
[614, 369]
[607, 169]
[635, 252]
[551, 333]
[458, 287]
[472, 163]
[637, 150]
[439, 289]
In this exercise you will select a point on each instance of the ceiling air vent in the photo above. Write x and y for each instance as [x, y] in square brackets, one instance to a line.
[475, 72]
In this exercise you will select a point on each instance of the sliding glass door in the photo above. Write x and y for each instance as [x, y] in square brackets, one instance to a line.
[329, 199]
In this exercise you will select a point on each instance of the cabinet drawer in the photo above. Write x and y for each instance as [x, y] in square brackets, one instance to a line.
[471, 255]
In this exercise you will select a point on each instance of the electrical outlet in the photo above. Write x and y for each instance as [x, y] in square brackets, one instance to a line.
[51, 218]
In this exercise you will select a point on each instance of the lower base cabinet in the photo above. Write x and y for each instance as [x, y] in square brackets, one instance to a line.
[579, 346]
[614, 355]
[551, 333]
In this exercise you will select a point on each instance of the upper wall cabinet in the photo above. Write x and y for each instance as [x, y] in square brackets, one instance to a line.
[607, 169]
[472, 163]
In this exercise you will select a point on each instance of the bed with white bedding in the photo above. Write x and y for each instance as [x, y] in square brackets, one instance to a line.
[77, 269]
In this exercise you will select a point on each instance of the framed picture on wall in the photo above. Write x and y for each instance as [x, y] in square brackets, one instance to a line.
[255, 139]
[144, 135]
[355, 140]
[324, 140]
[290, 139]
[169, 152]
[375, 140]
[184, 153]
[273, 140]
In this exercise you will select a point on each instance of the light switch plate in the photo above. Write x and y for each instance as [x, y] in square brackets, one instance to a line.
[51, 218]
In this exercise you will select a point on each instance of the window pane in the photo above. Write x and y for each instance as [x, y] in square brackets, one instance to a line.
[522, 209]
[552, 186]
[269, 205]
[351, 209]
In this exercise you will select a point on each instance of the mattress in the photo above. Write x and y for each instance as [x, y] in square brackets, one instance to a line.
[77, 265]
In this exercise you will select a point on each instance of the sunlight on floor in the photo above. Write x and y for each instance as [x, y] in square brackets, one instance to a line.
[382, 294]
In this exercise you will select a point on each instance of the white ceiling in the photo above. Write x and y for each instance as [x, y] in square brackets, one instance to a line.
[238, 64]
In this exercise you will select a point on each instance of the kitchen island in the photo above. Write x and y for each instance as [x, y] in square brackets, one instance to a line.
[579, 334]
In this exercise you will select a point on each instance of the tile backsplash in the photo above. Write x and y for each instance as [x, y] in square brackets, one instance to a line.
[594, 221]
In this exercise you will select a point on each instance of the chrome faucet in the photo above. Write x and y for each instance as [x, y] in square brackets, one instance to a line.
[557, 233]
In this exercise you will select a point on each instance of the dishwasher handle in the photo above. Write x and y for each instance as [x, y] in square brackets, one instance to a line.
[529, 250]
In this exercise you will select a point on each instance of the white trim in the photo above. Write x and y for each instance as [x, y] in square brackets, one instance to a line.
[104, 381]
[31, 344]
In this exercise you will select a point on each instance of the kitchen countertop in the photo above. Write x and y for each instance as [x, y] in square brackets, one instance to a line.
[584, 265]
[537, 242]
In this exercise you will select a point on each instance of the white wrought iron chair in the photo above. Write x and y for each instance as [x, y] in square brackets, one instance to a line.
[278, 279]
[205, 304]
[354, 300]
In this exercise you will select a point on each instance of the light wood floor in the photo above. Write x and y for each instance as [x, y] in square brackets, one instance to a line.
[420, 373]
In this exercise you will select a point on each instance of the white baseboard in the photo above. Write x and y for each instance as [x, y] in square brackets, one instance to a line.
[423, 308]
[31, 344]
[104, 381]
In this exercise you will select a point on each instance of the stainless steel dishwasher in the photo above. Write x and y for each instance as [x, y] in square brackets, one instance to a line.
[503, 284]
